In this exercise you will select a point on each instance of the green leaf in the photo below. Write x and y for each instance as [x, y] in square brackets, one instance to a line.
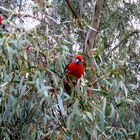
[10, 55]
[124, 88]
[76, 108]
[112, 111]
[103, 92]
[8, 108]
[60, 103]
[102, 119]
[89, 115]
[104, 105]
[23, 91]
[69, 120]
[124, 132]
[129, 101]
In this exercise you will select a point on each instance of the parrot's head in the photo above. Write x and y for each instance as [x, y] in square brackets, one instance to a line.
[79, 59]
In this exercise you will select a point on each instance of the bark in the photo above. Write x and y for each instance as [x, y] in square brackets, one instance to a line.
[90, 41]
[91, 34]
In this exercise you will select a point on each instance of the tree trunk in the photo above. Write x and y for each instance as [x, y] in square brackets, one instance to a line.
[91, 34]
[90, 41]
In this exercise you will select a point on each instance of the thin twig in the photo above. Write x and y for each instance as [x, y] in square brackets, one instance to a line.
[123, 41]
[74, 13]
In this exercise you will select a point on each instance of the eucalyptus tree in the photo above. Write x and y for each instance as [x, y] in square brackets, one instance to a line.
[37, 39]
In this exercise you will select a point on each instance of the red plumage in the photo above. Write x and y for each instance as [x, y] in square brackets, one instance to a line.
[74, 71]
[76, 68]
[0, 19]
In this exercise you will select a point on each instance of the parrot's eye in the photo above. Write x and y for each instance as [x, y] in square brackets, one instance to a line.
[77, 60]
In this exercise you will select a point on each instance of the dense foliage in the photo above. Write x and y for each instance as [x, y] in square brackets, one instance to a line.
[33, 103]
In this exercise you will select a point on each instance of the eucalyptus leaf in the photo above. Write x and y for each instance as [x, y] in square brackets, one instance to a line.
[60, 103]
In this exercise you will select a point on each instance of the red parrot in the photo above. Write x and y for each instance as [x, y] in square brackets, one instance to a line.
[74, 71]
[0, 20]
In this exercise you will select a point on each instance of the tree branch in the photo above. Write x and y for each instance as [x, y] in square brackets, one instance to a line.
[123, 41]
[74, 13]
[90, 41]
[91, 34]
